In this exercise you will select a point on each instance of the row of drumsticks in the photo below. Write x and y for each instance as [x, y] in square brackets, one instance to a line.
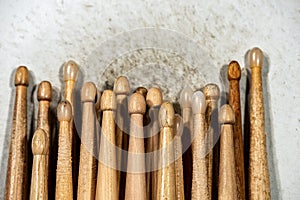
[143, 149]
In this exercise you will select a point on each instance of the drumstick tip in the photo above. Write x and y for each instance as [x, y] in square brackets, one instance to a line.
[108, 100]
[88, 92]
[122, 86]
[166, 115]
[234, 71]
[211, 91]
[154, 97]
[185, 98]
[256, 57]
[137, 104]
[64, 111]
[198, 103]
[39, 143]
[22, 76]
[226, 115]
[70, 71]
[142, 90]
[178, 126]
[44, 91]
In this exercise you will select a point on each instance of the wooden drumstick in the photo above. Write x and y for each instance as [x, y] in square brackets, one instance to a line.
[166, 173]
[87, 164]
[141, 90]
[64, 183]
[16, 177]
[199, 183]
[234, 76]
[107, 174]
[121, 90]
[212, 94]
[227, 176]
[154, 99]
[259, 182]
[70, 76]
[136, 180]
[178, 130]
[39, 178]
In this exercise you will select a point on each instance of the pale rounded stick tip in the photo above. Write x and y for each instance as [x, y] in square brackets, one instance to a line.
[154, 97]
[211, 91]
[198, 103]
[226, 115]
[178, 125]
[142, 90]
[122, 86]
[108, 100]
[166, 115]
[64, 111]
[70, 71]
[137, 104]
[88, 92]
[256, 57]
[234, 71]
[22, 76]
[39, 143]
[185, 98]
[44, 92]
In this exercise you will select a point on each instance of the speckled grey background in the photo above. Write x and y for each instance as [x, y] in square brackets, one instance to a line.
[201, 38]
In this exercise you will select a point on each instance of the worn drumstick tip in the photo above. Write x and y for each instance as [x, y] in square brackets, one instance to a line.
[39, 143]
[186, 97]
[70, 71]
[256, 57]
[88, 92]
[142, 90]
[178, 125]
[122, 86]
[64, 111]
[108, 100]
[137, 104]
[154, 97]
[198, 103]
[22, 76]
[234, 71]
[44, 92]
[166, 115]
[226, 115]
[211, 91]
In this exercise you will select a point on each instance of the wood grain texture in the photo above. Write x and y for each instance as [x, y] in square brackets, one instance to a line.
[64, 181]
[136, 177]
[227, 176]
[107, 174]
[259, 181]
[234, 76]
[16, 178]
[166, 188]
[87, 164]
[212, 94]
[179, 179]
[154, 99]
[199, 180]
[39, 177]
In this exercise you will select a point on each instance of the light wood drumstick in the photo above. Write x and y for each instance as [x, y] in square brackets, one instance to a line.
[234, 76]
[227, 176]
[199, 183]
[154, 99]
[166, 173]
[70, 76]
[40, 150]
[16, 177]
[186, 111]
[107, 174]
[64, 183]
[136, 180]
[122, 90]
[212, 94]
[259, 182]
[178, 130]
[87, 164]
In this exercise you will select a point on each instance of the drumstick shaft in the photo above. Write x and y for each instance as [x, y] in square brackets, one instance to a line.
[17, 159]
